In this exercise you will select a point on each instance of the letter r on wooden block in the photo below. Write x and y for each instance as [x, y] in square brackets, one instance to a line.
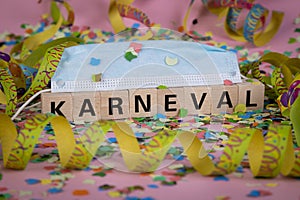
[251, 93]
[170, 100]
[224, 98]
[143, 102]
[197, 100]
[114, 104]
[58, 103]
[86, 106]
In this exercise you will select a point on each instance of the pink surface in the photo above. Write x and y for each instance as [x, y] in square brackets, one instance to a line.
[193, 186]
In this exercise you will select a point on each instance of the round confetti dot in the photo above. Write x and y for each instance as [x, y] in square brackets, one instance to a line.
[240, 108]
[55, 190]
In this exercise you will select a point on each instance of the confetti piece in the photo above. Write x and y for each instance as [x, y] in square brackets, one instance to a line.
[54, 190]
[171, 61]
[136, 46]
[95, 61]
[221, 178]
[162, 87]
[114, 194]
[153, 186]
[292, 40]
[129, 56]
[89, 181]
[32, 181]
[80, 192]
[105, 187]
[101, 174]
[272, 184]
[228, 82]
[240, 108]
[183, 112]
[46, 181]
[159, 178]
[97, 77]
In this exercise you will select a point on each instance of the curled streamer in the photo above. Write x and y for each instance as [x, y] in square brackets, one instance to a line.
[268, 156]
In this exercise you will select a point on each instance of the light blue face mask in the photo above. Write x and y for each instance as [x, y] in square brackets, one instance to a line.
[143, 64]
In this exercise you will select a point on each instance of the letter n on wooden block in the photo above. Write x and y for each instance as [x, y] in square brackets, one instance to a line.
[197, 100]
[224, 98]
[114, 104]
[143, 102]
[251, 93]
[170, 100]
[58, 103]
[86, 106]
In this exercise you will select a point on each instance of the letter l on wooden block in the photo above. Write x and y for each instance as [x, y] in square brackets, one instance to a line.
[251, 93]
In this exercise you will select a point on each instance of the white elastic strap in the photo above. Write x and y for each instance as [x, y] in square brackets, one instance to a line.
[28, 102]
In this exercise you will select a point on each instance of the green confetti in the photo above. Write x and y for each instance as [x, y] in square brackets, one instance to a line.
[183, 112]
[160, 87]
[159, 178]
[292, 40]
[1, 177]
[297, 30]
[101, 174]
[129, 56]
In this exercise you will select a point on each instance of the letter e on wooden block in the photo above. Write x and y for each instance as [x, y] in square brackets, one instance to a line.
[114, 104]
[224, 98]
[251, 93]
[197, 100]
[58, 103]
[169, 101]
[143, 102]
[86, 106]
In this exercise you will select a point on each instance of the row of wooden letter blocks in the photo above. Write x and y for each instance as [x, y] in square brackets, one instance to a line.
[91, 106]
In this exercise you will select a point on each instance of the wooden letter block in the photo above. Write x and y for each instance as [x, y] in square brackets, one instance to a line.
[58, 103]
[251, 93]
[197, 100]
[114, 104]
[169, 101]
[224, 98]
[143, 102]
[86, 106]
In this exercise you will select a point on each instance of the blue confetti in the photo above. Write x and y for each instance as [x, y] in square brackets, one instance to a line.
[208, 135]
[221, 178]
[159, 116]
[135, 25]
[254, 193]
[55, 190]
[178, 157]
[154, 186]
[240, 169]
[32, 181]
[95, 61]
[112, 140]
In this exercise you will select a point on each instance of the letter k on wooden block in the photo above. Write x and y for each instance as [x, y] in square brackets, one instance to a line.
[58, 103]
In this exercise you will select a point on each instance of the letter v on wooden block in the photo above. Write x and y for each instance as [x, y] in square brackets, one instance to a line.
[197, 100]
[58, 103]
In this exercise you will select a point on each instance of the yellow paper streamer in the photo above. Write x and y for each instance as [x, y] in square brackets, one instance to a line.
[268, 156]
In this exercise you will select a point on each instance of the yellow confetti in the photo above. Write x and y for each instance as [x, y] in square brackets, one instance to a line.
[240, 108]
[46, 181]
[114, 194]
[272, 184]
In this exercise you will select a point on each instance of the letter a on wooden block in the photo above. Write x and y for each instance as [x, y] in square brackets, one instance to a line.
[224, 98]
[169, 101]
[114, 104]
[86, 106]
[197, 100]
[251, 93]
[58, 103]
[143, 102]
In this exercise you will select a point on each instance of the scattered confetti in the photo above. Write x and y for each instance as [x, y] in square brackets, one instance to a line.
[221, 178]
[95, 61]
[80, 192]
